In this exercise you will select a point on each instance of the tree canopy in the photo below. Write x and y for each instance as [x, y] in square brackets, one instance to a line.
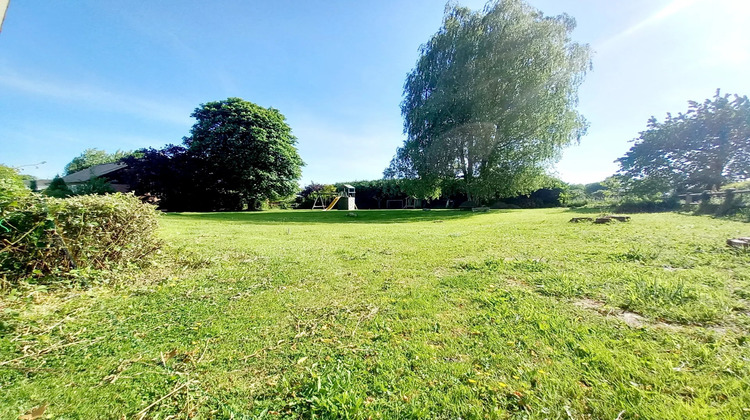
[58, 188]
[93, 157]
[491, 100]
[702, 149]
[237, 155]
[245, 149]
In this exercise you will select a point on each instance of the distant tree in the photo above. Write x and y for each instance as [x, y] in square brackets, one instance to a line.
[94, 186]
[594, 187]
[245, 150]
[171, 176]
[58, 188]
[614, 187]
[491, 100]
[93, 157]
[310, 188]
[702, 149]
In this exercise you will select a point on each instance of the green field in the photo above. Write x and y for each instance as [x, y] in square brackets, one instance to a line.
[397, 314]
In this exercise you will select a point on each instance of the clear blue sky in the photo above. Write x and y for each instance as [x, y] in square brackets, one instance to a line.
[124, 75]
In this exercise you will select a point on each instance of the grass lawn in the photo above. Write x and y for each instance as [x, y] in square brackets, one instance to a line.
[397, 314]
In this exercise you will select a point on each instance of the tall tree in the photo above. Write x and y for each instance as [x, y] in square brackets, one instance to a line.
[93, 157]
[704, 148]
[246, 150]
[492, 100]
[238, 154]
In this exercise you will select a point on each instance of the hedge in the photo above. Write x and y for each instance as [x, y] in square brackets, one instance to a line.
[43, 235]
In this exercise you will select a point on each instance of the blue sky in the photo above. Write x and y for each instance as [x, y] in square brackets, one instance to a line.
[124, 75]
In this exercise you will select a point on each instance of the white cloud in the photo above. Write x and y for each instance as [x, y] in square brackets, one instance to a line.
[97, 96]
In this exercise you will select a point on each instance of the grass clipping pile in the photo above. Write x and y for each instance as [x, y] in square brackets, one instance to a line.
[43, 236]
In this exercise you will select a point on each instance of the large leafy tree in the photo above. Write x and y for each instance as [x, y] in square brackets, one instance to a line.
[238, 154]
[246, 150]
[704, 148]
[491, 100]
[93, 157]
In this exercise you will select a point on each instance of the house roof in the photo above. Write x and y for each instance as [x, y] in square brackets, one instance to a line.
[94, 171]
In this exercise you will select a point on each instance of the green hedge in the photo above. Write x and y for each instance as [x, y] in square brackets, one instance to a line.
[49, 236]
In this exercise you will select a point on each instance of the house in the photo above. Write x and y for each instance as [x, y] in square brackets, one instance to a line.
[112, 172]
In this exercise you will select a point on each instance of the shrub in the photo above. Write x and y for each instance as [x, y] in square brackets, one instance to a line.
[576, 203]
[11, 187]
[49, 236]
[95, 185]
[58, 188]
[502, 205]
[467, 205]
[741, 185]
[647, 206]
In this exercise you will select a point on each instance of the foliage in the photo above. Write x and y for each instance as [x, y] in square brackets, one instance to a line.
[368, 194]
[93, 157]
[245, 150]
[741, 185]
[491, 101]
[641, 205]
[305, 199]
[376, 193]
[172, 177]
[574, 196]
[95, 185]
[11, 187]
[239, 155]
[310, 314]
[311, 188]
[594, 188]
[51, 236]
[58, 188]
[703, 149]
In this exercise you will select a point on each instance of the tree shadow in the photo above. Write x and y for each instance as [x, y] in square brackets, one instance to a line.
[317, 216]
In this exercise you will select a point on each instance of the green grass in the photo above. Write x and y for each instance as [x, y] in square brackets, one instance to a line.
[397, 314]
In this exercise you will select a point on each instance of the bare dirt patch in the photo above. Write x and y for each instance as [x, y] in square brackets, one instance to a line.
[632, 319]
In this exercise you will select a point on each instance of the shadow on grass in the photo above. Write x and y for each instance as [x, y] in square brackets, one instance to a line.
[318, 216]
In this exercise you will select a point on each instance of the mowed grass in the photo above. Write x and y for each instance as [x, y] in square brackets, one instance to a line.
[398, 314]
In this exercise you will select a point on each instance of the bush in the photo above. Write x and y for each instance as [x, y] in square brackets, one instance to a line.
[647, 206]
[741, 185]
[502, 205]
[12, 187]
[577, 203]
[51, 236]
[95, 185]
[58, 188]
[467, 205]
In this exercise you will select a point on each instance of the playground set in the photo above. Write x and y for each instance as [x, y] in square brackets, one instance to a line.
[341, 200]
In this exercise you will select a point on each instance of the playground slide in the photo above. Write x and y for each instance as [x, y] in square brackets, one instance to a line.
[333, 203]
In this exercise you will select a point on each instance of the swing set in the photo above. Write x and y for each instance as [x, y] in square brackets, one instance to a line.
[328, 200]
